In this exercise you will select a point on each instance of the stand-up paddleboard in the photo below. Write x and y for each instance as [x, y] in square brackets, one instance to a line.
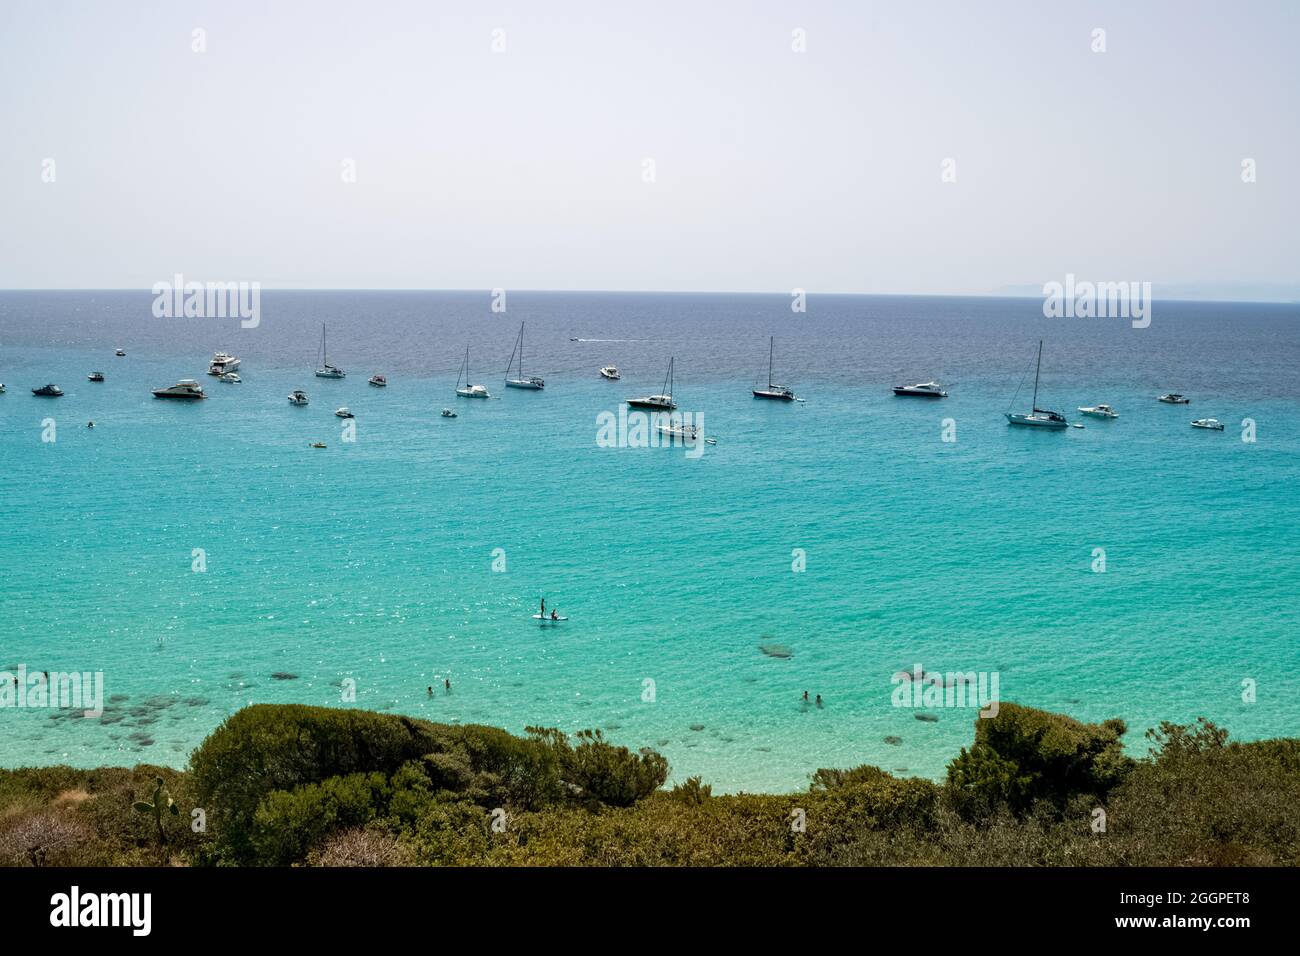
[547, 619]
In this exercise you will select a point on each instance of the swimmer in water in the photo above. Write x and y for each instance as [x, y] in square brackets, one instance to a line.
[430, 690]
[447, 683]
[819, 700]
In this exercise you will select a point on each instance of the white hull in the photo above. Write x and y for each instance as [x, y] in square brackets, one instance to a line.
[1034, 421]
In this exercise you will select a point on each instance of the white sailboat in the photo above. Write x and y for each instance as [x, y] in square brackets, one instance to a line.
[532, 383]
[327, 370]
[1037, 417]
[663, 401]
[468, 390]
[780, 393]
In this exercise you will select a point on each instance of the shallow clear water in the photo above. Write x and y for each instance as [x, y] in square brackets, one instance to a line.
[373, 560]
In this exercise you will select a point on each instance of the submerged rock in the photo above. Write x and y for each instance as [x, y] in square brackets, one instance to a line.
[928, 718]
[697, 726]
[776, 650]
[283, 675]
[894, 741]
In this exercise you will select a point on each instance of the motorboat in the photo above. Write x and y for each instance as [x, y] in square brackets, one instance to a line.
[297, 397]
[378, 381]
[1213, 424]
[921, 390]
[530, 383]
[1099, 411]
[1037, 417]
[318, 444]
[231, 378]
[95, 377]
[661, 402]
[2, 388]
[611, 372]
[780, 393]
[48, 391]
[344, 412]
[685, 433]
[222, 362]
[120, 352]
[326, 370]
[1173, 398]
[448, 413]
[467, 390]
[186, 389]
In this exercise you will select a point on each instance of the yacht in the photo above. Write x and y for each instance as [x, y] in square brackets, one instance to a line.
[95, 376]
[1037, 417]
[120, 352]
[48, 391]
[467, 390]
[448, 413]
[532, 382]
[231, 378]
[663, 402]
[297, 397]
[222, 362]
[1099, 411]
[186, 389]
[378, 381]
[344, 412]
[327, 370]
[675, 429]
[921, 390]
[1173, 398]
[1211, 423]
[611, 372]
[778, 392]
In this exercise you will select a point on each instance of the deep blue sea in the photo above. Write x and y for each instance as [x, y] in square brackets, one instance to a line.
[373, 561]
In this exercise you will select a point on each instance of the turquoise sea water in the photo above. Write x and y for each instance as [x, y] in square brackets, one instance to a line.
[373, 560]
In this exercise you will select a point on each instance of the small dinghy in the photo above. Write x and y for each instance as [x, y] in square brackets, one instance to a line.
[344, 412]
[448, 413]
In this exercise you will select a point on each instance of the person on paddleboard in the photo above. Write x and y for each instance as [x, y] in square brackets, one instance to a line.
[555, 616]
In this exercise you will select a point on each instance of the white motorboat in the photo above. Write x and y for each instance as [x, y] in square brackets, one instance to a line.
[231, 378]
[467, 390]
[685, 433]
[531, 383]
[297, 397]
[326, 370]
[378, 381]
[1037, 417]
[921, 390]
[663, 401]
[344, 412]
[1213, 424]
[448, 413]
[1173, 398]
[186, 389]
[120, 352]
[222, 362]
[611, 372]
[2, 388]
[780, 393]
[1099, 411]
[95, 376]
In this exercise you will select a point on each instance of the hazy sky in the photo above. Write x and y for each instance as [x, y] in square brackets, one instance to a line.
[773, 169]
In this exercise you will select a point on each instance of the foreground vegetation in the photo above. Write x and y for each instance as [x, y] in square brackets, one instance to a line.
[289, 785]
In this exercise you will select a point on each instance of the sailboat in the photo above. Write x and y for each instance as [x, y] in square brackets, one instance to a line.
[533, 383]
[662, 402]
[327, 370]
[1039, 417]
[778, 392]
[468, 390]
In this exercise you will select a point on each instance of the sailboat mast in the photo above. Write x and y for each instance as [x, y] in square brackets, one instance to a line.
[521, 350]
[771, 344]
[1033, 408]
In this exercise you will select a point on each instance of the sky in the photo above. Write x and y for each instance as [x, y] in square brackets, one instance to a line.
[674, 146]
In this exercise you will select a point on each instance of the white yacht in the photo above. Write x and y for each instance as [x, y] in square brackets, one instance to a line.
[1211, 423]
[780, 393]
[448, 413]
[326, 370]
[1099, 411]
[467, 390]
[532, 382]
[344, 412]
[298, 397]
[120, 352]
[921, 390]
[222, 362]
[379, 381]
[611, 372]
[186, 389]
[1173, 398]
[231, 378]
[1037, 417]
[661, 402]
[675, 429]
[95, 376]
